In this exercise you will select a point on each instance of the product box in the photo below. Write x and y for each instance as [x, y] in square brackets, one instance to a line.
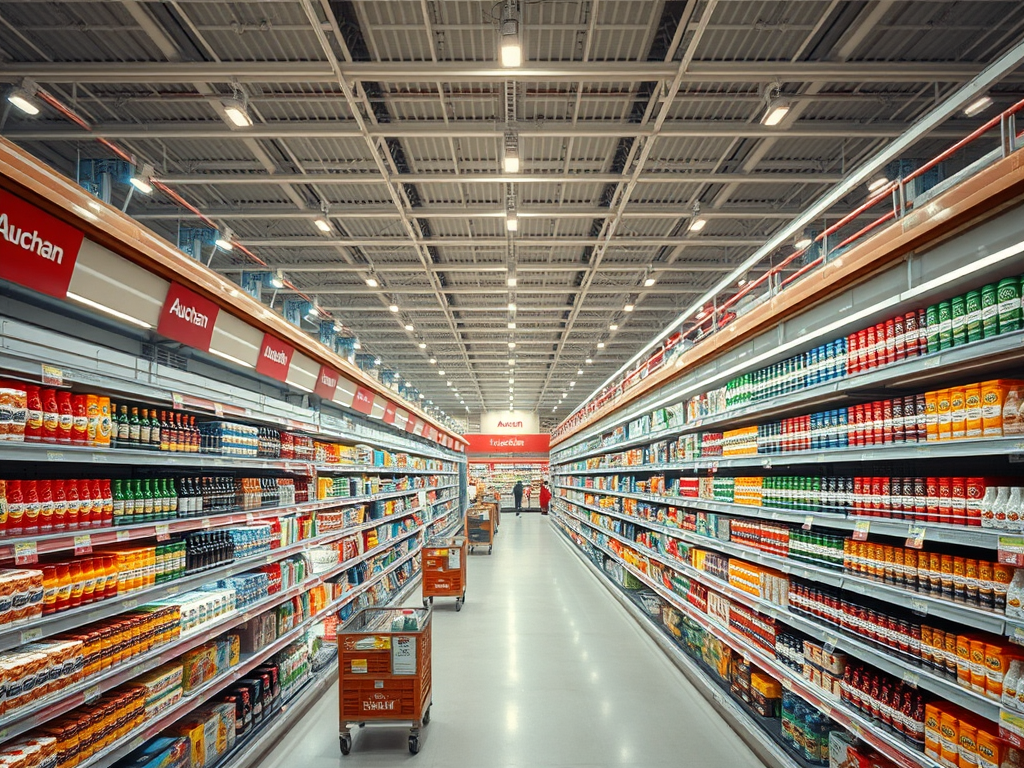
[765, 694]
[257, 633]
[199, 666]
[161, 752]
[161, 680]
[228, 652]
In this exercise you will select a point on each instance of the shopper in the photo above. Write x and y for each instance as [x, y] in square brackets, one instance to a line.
[517, 494]
[545, 497]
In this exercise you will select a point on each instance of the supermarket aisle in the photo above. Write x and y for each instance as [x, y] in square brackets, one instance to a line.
[541, 668]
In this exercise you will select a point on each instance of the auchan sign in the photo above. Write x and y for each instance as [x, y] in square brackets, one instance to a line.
[36, 249]
[275, 358]
[187, 317]
[497, 445]
[326, 383]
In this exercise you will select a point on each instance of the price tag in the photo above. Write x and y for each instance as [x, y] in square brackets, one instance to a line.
[218, 410]
[172, 590]
[83, 544]
[860, 530]
[25, 553]
[127, 605]
[163, 532]
[55, 456]
[124, 535]
[207, 524]
[92, 694]
[31, 635]
[808, 522]
[177, 401]
[99, 458]
[915, 536]
[1011, 550]
[830, 644]
[766, 463]
[911, 678]
[52, 376]
[250, 518]
[919, 607]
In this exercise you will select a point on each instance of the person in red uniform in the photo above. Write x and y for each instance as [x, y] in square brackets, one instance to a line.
[545, 497]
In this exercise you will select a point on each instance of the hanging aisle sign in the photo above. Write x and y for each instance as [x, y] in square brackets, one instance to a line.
[275, 358]
[363, 401]
[187, 317]
[326, 383]
[390, 411]
[500, 444]
[37, 250]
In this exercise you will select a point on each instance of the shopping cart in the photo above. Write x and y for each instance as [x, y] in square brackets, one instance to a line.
[480, 526]
[444, 570]
[384, 671]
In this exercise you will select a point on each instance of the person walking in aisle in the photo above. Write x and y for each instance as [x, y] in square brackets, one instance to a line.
[517, 494]
[545, 497]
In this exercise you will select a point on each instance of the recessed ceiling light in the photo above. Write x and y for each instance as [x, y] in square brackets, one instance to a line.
[628, 308]
[600, 345]
[325, 226]
[422, 345]
[433, 361]
[649, 282]
[393, 308]
[512, 282]
[408, 327]
[613, 327]
[372, 282]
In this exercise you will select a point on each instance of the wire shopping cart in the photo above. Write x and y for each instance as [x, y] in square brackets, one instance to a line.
[384, 671]
[444, 570]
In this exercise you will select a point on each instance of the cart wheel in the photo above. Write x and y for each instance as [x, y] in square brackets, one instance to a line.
[426, 717]
[414, 744]
[490, 549]
[346, 744]
[425, 603]
[431, 599]
[458, 604]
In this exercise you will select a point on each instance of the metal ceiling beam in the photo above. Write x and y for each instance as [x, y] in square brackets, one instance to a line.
[420, 71]
[710, 241]
[498, 310]
[636, 210]
[432, 129]
[487, 290]
[694, 266]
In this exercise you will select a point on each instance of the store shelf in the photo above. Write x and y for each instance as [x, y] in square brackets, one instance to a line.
[967, 536]
[149, 729]
[854, 722]
[925, 605]
[918, 371]
[13, 636]
[826, 633]
[1012, 447]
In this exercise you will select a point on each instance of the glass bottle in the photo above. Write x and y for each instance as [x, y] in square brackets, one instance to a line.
[122, 429]
[144, 429]
[165, 432]
[118, 494]
[134, 429]
[154, 431]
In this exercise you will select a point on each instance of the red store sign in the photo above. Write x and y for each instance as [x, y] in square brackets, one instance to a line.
[326, 383]
[188, 317]
[363, 401]
[275, 358]
[496, 444]
[36, 249]
[390, 411]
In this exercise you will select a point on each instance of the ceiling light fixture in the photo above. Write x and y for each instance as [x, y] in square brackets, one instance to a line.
[628, 308]
[511, 306]
[572, 384]
[224, 241]
[313, 310]
[613, 327]
[422, 396]
[512, 282]
[357, 346]
[237, 112]
[440, 373]
[277, 280]
[511, 361]
[512, 221]
[372, 282]
[697, 222]
[511, 345]
[323, 225]
[510, 162]
[975, 107]
[803, 242]
[141, 180]
[648, 282]
[878, 183]
[579, 372]
[511, 326]
[588, 361]
[376, 361]
[511, 45]
[409, 327]
[433, 361]
[600, 345]
[742, 282]
[23, 97]
[393, 308]
[422, 345]
[776, 111]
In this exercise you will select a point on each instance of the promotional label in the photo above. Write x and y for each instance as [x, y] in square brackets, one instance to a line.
[187, 317]
[275, 358]
[326, 383]
[36, 249]
[498, 444]
[390, 411]
[363, 401]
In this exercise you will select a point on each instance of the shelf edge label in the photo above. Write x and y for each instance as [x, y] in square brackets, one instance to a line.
[326, 383]
[37, 250]
[187, 317]
[275, 358]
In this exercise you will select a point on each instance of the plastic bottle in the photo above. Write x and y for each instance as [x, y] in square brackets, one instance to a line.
[66, 417]
[106, 423]
[107, 494]
[50, 586]
[80, 419]
[74, 504]
[88, 581]
[60, 506]
[77, 583]
[1014, 510]
[64, 586]
[45, 490]
[87, 504]
[51, 417]
[30, 522]
[92, 415]
[34, 420]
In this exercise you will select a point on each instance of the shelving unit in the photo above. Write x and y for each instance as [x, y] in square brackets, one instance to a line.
[608, 510]
[502, 475]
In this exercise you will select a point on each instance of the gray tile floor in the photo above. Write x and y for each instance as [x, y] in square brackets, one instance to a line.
[540, 668]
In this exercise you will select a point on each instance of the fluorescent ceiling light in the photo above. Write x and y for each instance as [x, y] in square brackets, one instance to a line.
[878, 183]
[232, 359]
[323, 225]
[777, 109]
[393, 308]
[422, 345]
[409, 327]
[972, 109]
[108, 310]
[237, 113]
[512, 282]
[600, 345]
[697, 224]
[613, 327]
[23, 97]
[512, 222]
[511, 306]
[511, 326]
[141, 179]
[628, 308]
[277, 279]
[649, 282]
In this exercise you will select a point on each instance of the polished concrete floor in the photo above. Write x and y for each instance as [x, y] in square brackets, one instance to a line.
[540, 668]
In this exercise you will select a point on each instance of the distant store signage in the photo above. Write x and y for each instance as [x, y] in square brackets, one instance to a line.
[275, 358]
[37, 250]
[326, 383]
[187, 317]
[509, 423]
[363, 401]
[390, 411]
[490, 445]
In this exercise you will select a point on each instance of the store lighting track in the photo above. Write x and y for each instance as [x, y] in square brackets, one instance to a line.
[108, 310]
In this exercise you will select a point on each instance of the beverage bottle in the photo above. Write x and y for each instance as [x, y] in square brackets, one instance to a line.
[86, 504]
[45, 491]
[172, 498]
[80, 419]
[184, 498]
[121, 429]
[92, 416]
[134, 429]
[196, 437]
[144, 429]
[34, 419]
[88, 581]
[51, 416]
[77, 583]
[65, 417]
[74, 504]
[50, 586]
[154, 431]
[178, 435]
[107, 494]
[63, 598]
[106, 425]
[140, 501]
[165, 432]
[30, 523]
[60, 506]
[110, 576]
